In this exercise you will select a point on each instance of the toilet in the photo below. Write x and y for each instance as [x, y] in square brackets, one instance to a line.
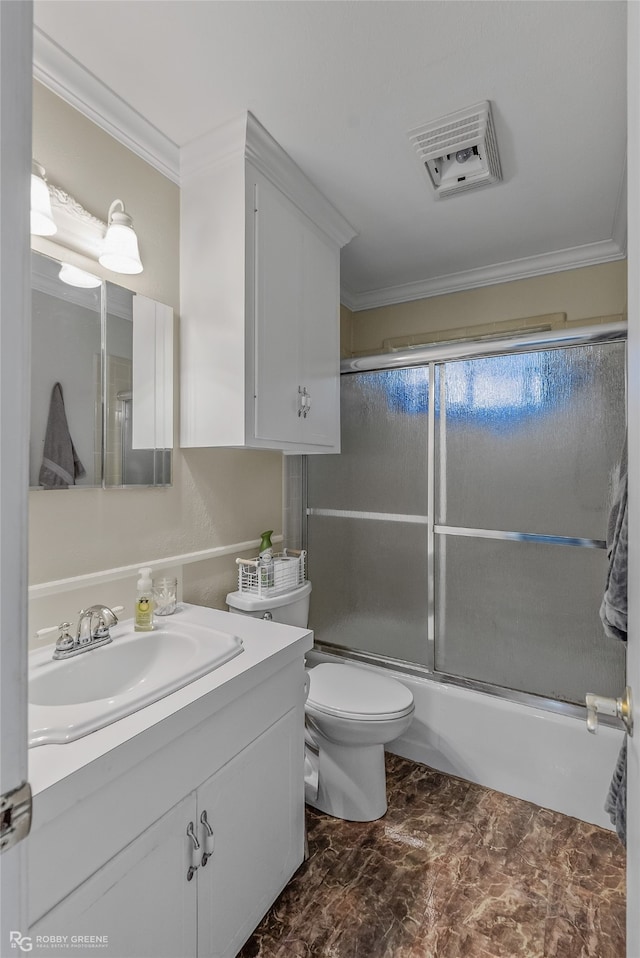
[351, 713]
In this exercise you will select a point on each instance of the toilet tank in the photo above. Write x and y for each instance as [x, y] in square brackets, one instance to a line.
[289, 608]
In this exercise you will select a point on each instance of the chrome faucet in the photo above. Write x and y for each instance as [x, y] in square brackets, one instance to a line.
[92, 631]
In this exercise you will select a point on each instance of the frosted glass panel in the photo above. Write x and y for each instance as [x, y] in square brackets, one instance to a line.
[527, 443]
[525, 616]
[383, 463]
[369, 585]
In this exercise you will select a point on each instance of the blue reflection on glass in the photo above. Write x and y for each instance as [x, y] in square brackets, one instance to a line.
[407, 390]
[500, 391]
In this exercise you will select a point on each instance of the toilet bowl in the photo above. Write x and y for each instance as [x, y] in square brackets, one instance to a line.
[350, 715]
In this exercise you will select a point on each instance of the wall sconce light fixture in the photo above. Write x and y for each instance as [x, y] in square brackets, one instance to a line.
[120, 252]
[42, 222]
[114, 243]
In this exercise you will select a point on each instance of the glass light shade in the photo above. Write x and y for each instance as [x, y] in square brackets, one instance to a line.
[120, 253]
[73, 276]
[42, 222]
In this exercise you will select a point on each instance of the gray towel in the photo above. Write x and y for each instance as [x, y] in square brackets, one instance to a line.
[613, 613]
[616, 801]
[61, 465]
[613, 610]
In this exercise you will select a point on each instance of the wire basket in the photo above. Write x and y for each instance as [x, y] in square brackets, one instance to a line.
[283, 574]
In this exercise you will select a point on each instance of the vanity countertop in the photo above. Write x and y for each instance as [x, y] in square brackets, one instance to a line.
[111, 751]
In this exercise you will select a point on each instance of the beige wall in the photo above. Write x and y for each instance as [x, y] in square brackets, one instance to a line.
[219, 496]
[580, 293]
[346, 317]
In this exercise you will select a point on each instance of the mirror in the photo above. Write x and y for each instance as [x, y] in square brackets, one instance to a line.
[101, 384]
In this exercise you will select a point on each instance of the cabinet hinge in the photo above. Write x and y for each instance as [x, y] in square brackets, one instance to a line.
[15, 816]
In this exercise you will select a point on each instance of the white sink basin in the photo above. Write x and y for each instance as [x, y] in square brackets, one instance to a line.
[70, 698]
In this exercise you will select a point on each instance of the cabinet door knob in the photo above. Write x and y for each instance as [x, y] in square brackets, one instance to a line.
[195, 848]
[209, 840]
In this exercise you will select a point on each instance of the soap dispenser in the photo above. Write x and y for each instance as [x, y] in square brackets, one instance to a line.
[144, 602]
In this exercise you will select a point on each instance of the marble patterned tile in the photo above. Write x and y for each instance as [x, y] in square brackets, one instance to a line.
[512, 840]
[582, 924]
[453, 870]
[498, 921]
[587, 856]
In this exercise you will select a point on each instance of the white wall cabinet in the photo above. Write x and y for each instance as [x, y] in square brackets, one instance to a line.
[260, 298]
[113, 866]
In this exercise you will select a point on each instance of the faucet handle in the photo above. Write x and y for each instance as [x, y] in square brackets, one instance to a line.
[65, 640]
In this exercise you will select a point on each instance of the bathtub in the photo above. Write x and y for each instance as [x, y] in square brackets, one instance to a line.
[539, 756]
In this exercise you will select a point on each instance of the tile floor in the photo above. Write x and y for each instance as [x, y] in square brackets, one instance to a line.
[453, 870]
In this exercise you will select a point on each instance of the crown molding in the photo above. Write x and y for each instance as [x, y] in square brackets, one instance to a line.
[244, 138]
[591, 254]
[214, 149]
[273, 162]
[63, 75]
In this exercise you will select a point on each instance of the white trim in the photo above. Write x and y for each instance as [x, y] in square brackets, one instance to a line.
[244, 137]
[43, 589]
[273, 162]
[348, 299]
[213, 149]
[63, 75]
[591, 254]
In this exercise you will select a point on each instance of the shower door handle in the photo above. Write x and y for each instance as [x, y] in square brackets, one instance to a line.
[621, 708]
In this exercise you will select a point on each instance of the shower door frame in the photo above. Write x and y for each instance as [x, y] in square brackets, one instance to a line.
[431, 356]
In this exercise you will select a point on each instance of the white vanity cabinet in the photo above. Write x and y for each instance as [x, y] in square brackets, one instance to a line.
[138, 905]
[260, 297]
[110, 852]
[255, 812]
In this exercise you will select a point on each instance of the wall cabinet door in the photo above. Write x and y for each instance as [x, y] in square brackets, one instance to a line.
[320, 341]
[255, 807]
[296, 325]
[141, 899]
[278, 314]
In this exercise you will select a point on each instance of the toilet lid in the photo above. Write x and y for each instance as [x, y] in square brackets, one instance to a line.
[346, 690]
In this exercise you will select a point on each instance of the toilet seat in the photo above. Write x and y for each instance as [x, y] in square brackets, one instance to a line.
[357, 694]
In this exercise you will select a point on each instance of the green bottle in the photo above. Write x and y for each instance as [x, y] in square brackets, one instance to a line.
[266, 558]
[266, 549]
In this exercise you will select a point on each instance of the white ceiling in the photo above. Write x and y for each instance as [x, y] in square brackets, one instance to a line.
[338, 83]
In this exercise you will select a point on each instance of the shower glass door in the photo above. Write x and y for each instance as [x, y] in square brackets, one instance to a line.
[461, 531]
[526, 447]
[367, 519]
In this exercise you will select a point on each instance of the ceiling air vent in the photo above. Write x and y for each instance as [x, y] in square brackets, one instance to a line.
[459, 151]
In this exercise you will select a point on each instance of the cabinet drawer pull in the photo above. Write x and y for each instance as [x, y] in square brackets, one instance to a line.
[208, 839]
[195, 848]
